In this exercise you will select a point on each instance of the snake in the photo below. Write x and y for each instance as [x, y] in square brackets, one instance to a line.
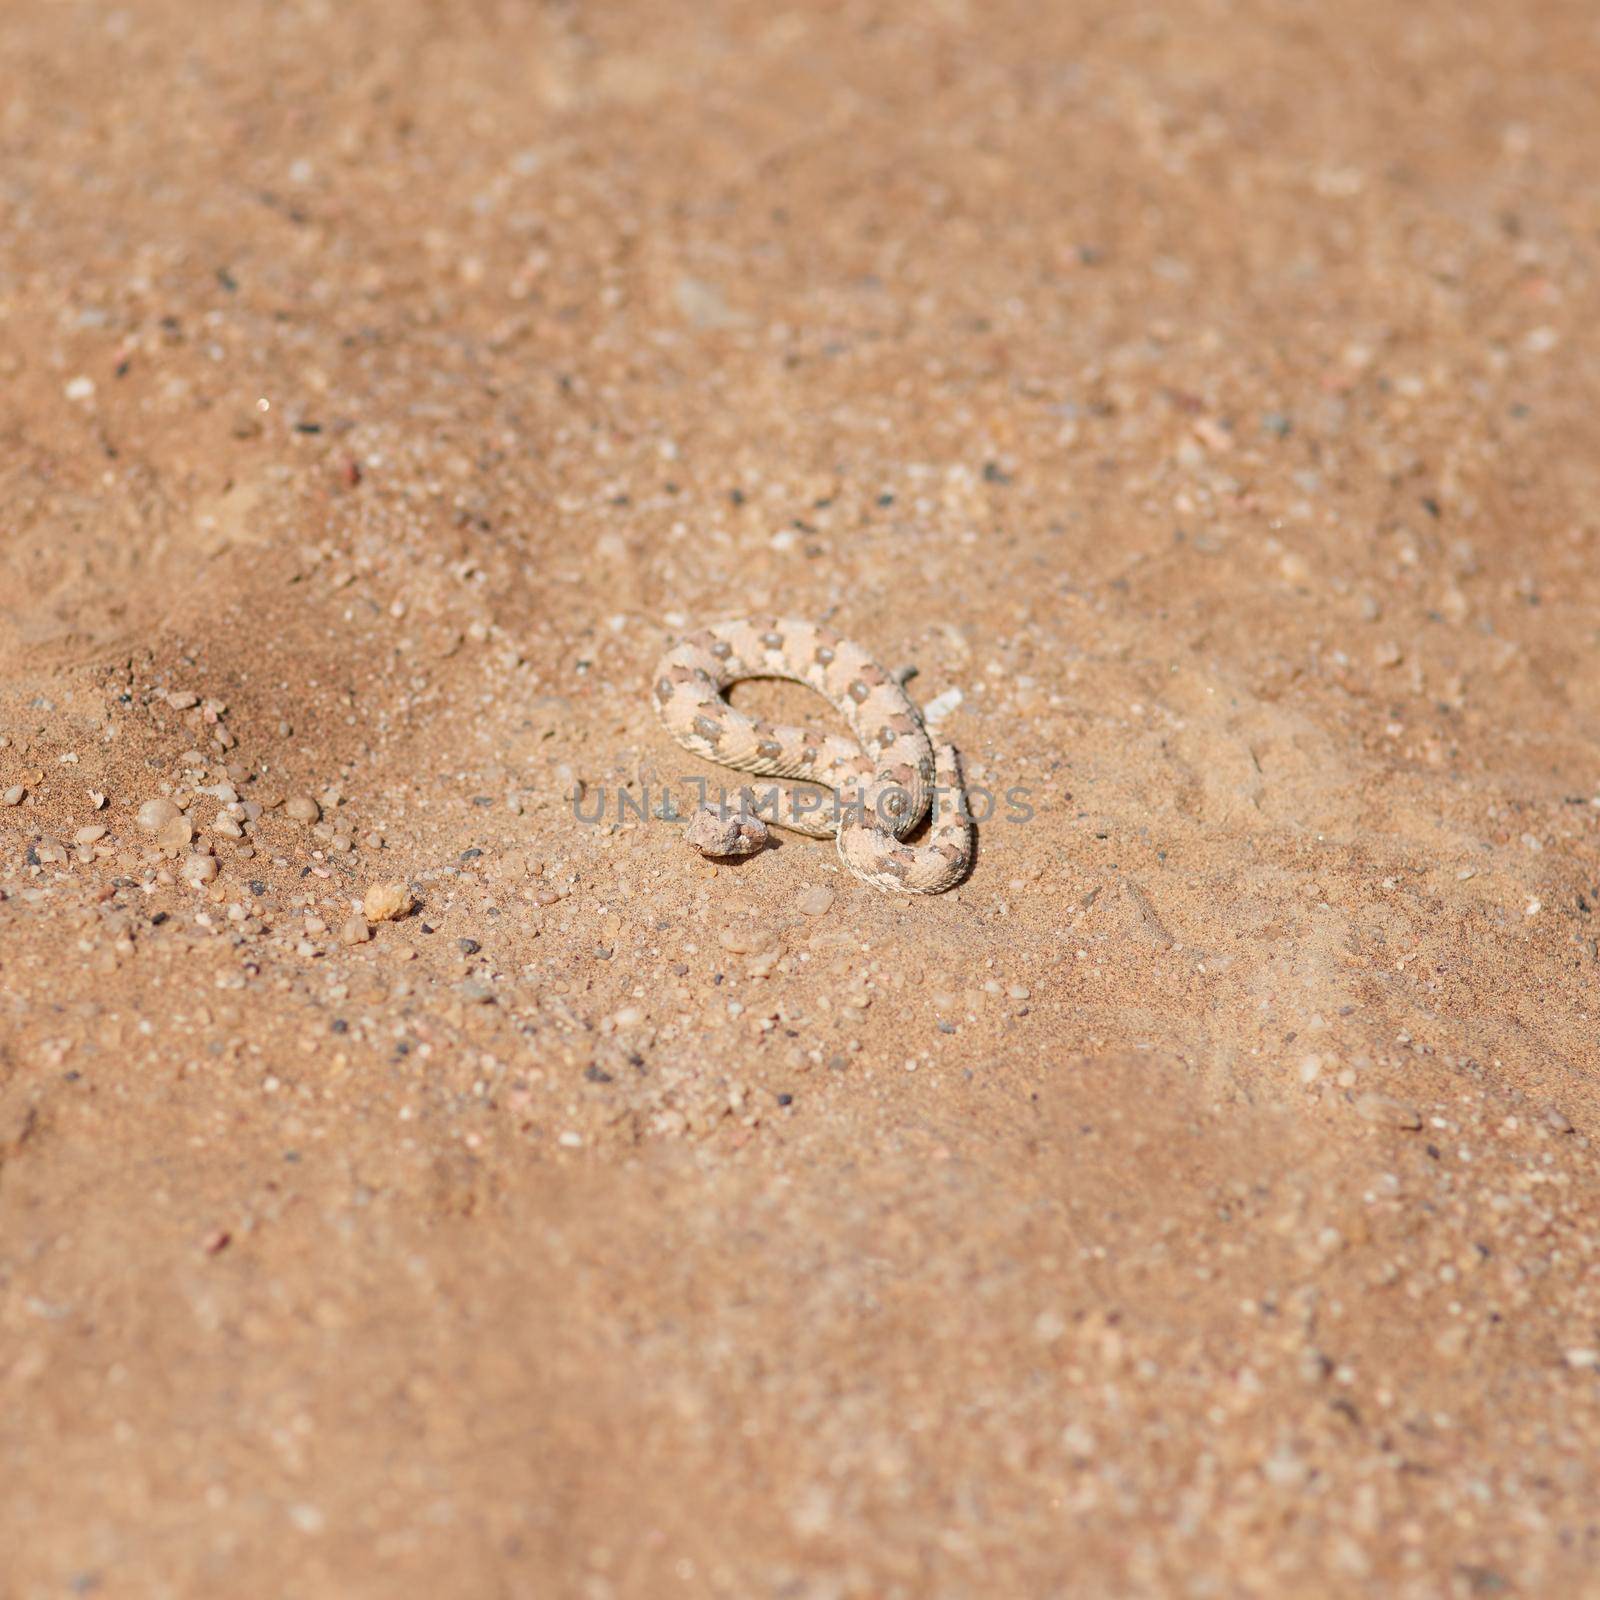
[879, 785]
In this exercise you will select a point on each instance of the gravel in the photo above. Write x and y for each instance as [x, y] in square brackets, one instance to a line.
[386, 902]
[155, 814]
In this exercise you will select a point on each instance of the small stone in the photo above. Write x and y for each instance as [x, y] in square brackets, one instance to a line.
[155, 814]
[13, 795]
[1387, 1111]
[90, 834]
[713, 834]
[1019, 991]
[468, 947]
[199, 869]
[356, 929]
[97, 800]
[302, 808]
[816, 902]
[50, 851]
[175, 835]
[308, 1518]
[384, 902]
[182, 699]
[629, 1017]
[1556, 1120]
[1049, 1326]
[227, 826]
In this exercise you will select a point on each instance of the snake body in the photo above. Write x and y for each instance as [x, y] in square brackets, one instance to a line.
[882, 782]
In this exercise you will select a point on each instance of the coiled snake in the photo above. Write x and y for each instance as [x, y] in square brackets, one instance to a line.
[882, 782]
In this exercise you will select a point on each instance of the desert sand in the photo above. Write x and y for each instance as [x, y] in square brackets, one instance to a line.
[1199, 1200]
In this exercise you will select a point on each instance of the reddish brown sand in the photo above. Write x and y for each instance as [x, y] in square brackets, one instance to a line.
[1198, 1202]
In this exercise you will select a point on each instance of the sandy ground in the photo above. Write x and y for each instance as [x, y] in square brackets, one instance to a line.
[1200, 1201]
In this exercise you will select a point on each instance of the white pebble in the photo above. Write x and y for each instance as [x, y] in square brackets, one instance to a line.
[817, 901]
[155, 814]
[199, 869]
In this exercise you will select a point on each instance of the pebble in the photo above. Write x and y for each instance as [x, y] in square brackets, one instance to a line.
[742, 939]
[182, 699]
[816, 902]
[155, 814]
[1389, 1112]
[384, 902]
[713, 834]
[1019, 991]
[302, 808]
[176, 834]
[227, 826]
[91, 834]
[50, 851]
[199, 869]
[356, 929]
[13, 795]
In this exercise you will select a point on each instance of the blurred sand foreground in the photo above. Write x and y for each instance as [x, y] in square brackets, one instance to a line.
[1200, 1201]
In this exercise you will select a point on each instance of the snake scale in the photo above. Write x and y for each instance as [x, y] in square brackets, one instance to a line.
[882, 782]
